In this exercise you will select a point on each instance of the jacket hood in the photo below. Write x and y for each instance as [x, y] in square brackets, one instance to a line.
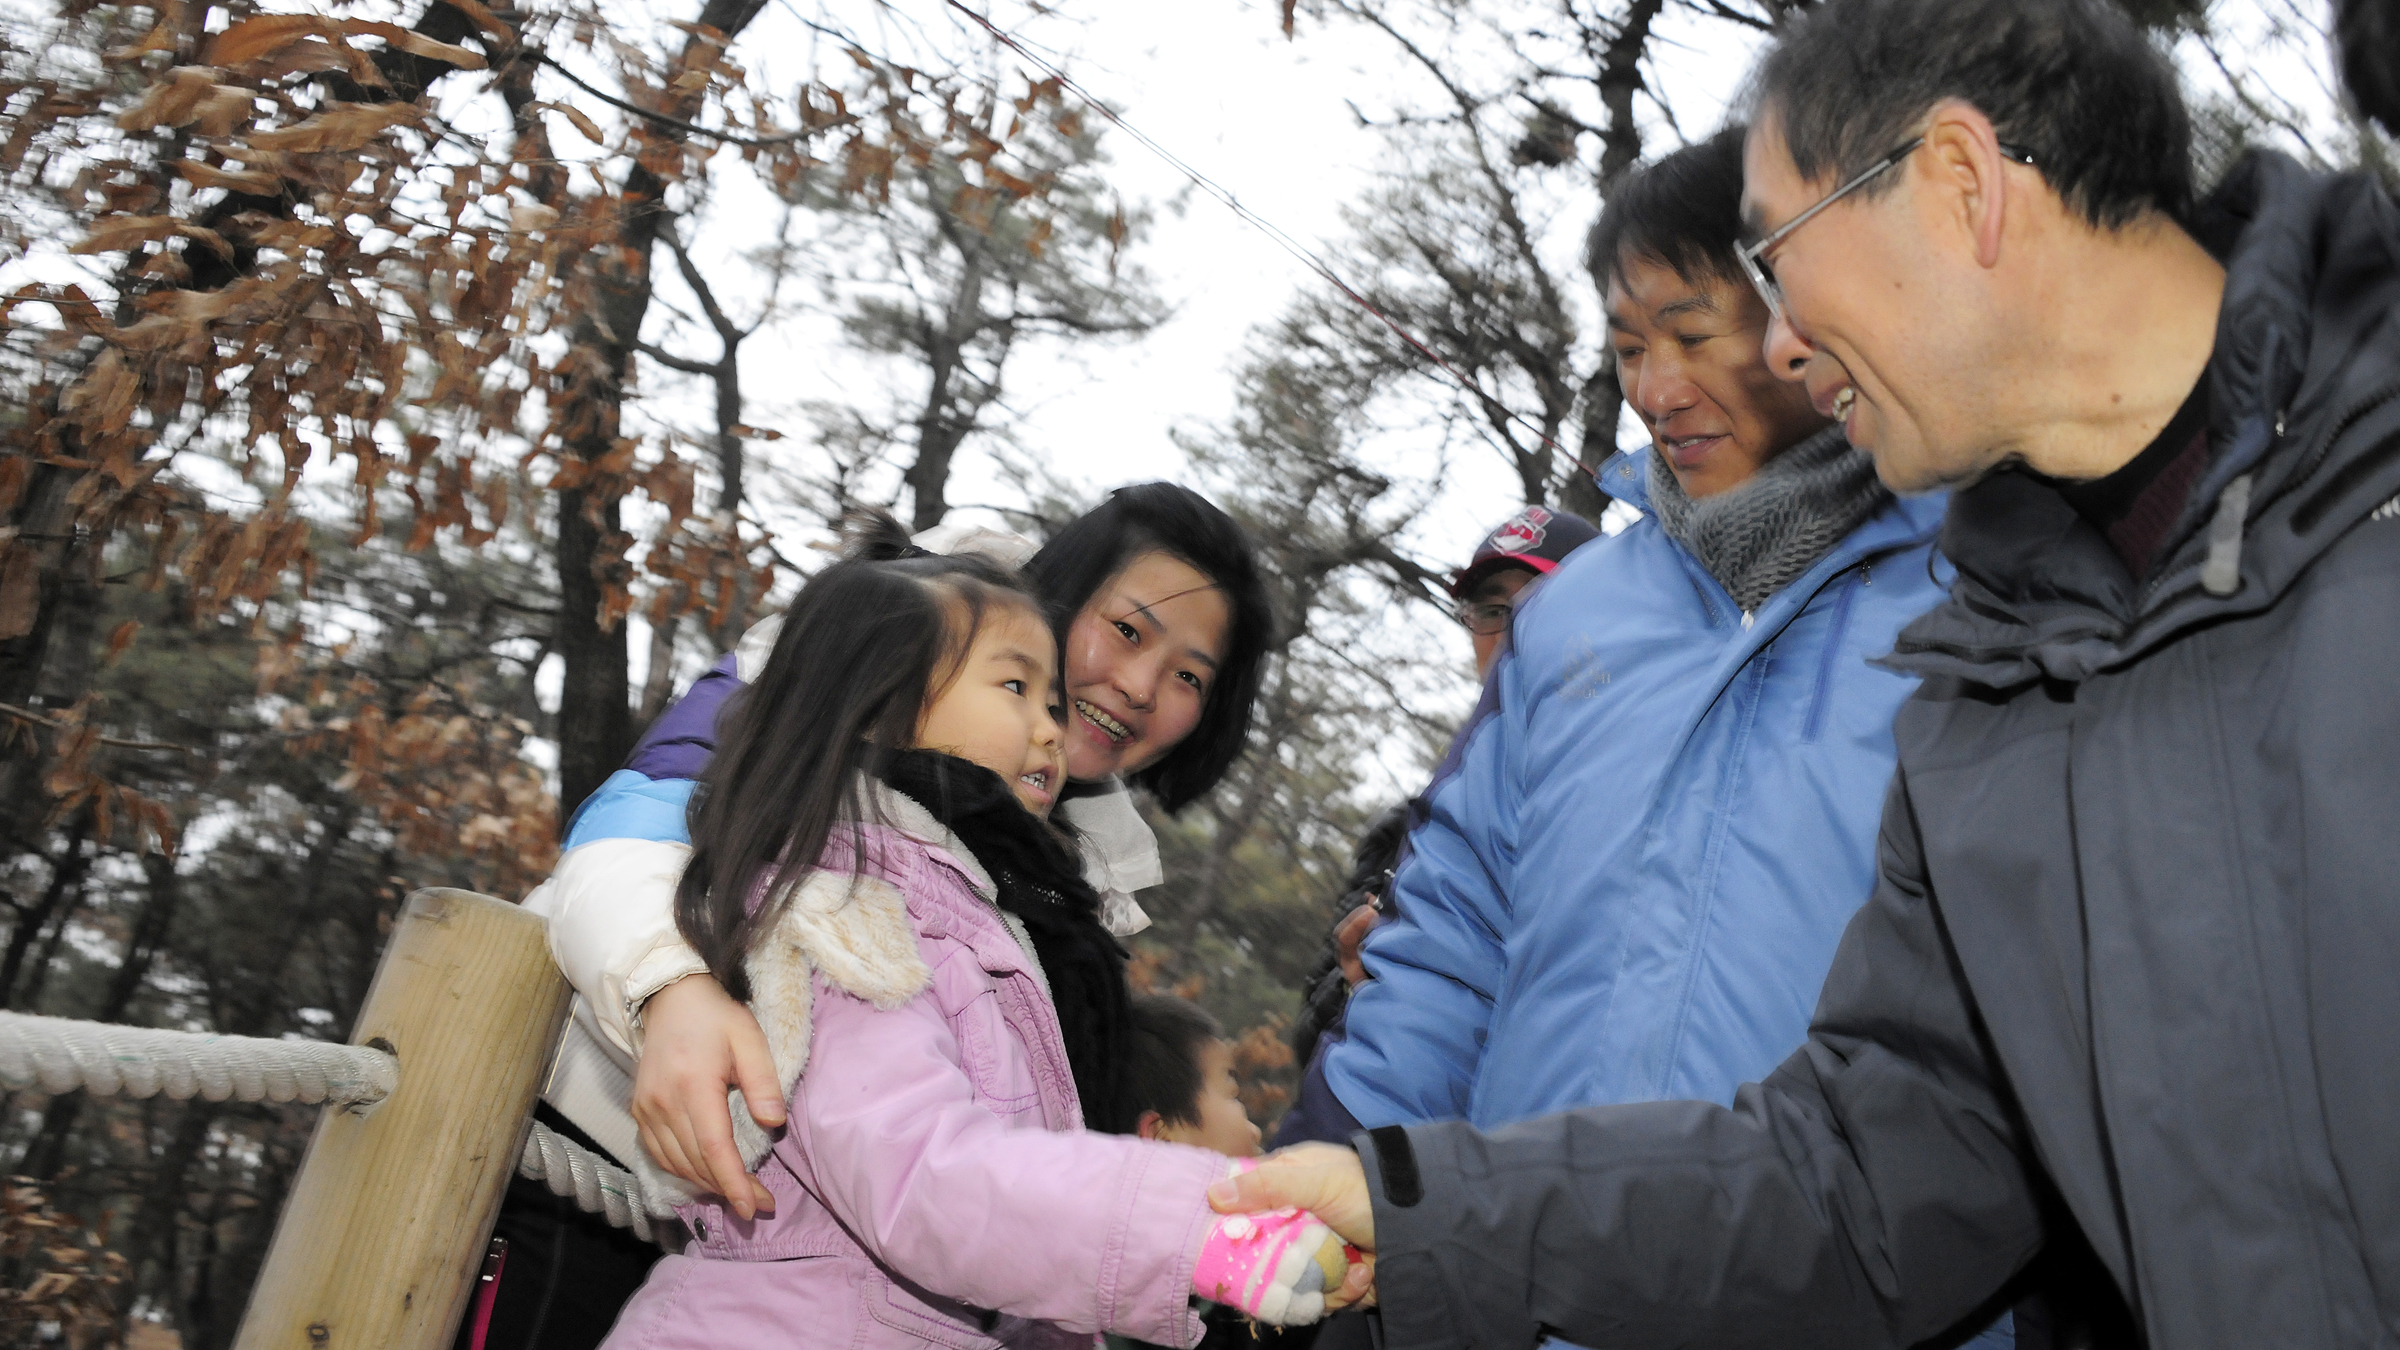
[2304, 393]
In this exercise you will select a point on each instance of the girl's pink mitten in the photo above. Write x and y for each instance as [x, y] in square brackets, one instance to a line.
[1276, 1267]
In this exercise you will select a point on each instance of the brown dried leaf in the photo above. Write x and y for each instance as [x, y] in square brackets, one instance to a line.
[152, 334]
[344, 126]
[226, 108]
[127, 232]
[103, 399]
[171, 102]
[290, 236]
[417, 44]
[237, 180]
[532, 216]
[489, 22]
[310, 56]
[193, 307]
[589, 128]
[168, 267]
[269, 34]
[104, 822]
[264, 34]
[120, 639]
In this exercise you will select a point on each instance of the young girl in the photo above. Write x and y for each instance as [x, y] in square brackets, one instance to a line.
[872, 874]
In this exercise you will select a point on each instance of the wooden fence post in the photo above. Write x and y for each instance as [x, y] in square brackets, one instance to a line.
[379, 1245]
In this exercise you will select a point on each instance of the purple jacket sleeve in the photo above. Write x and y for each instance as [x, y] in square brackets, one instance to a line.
[683, 739]
[647, 799]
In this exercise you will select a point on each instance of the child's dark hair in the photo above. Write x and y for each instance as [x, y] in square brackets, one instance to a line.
[1176, 521]
[866, 643]
[1162, 1058]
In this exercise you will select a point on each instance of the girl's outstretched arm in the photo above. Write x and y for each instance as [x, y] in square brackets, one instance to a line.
[1093, 1232]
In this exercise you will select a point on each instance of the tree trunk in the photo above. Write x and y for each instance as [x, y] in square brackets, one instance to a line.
[53, 553]
[595, 713]
[1603, 399]
[940, 429]
[37, 971]
[66, 878]
[156, 1220]
[660, 685]
[1620, 79]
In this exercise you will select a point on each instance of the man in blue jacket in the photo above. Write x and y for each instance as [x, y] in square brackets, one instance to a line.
[1630, 876]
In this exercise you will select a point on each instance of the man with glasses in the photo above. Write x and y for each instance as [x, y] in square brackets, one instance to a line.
[1512, 559]
[2117, 1022]
[1628, 879]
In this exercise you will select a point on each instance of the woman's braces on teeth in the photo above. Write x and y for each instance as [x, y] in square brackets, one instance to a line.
[1112, 728]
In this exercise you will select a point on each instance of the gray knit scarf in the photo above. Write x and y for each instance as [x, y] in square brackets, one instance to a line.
[1756, 538]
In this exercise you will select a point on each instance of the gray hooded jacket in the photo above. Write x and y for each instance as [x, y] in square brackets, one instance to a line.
[2127, 994]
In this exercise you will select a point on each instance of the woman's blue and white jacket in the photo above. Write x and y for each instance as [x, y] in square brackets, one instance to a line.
[1628, 878]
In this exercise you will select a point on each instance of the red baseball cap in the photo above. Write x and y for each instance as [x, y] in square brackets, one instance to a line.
[1536, 538]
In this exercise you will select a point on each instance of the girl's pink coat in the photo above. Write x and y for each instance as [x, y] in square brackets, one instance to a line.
[940, 1146]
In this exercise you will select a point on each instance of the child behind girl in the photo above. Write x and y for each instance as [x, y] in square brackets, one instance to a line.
[1179, 1080]
[872, 872]
[1180, 1087]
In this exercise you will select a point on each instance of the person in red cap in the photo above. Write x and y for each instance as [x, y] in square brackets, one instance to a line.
[1511, 561]
[1527, 547]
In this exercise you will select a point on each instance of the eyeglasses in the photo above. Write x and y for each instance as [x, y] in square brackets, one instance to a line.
[1484, 619]
[1753, 256]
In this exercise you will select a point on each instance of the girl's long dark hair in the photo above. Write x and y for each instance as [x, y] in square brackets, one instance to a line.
[862, 646]
[1165, 518]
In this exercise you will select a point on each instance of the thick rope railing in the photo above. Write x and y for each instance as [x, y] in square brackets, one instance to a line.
[55, 1055]
[597, 1185]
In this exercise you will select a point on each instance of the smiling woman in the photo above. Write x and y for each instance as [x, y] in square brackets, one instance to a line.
[1159, 622]
[1165, 623]
[1146, 651]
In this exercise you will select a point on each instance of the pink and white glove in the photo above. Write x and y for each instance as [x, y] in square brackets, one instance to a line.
[1276, 1267]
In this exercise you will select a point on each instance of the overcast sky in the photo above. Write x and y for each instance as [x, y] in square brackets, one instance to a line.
[1272, 121]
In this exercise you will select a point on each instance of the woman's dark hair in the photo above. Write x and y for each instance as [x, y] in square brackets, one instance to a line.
[1162, 1059]
[1682, 209]
[1164, 518]
[864, 645]
[2072, 82]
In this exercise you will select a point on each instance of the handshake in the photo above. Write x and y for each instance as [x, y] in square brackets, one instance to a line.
[1297, 1239]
